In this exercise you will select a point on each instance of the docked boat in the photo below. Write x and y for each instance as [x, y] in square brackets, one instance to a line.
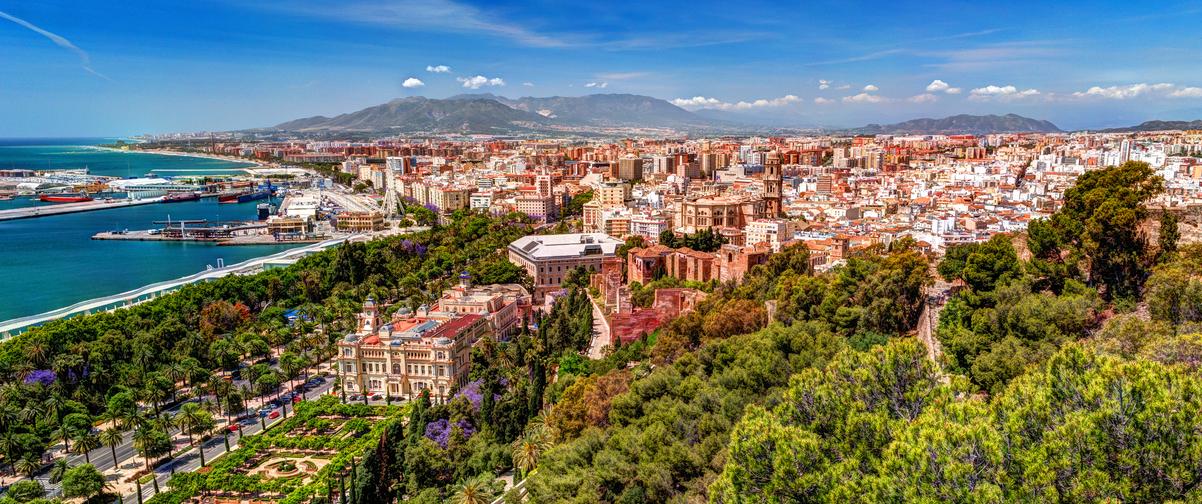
[65, 198]
[231, 197]
[263, 192]
[177, 197]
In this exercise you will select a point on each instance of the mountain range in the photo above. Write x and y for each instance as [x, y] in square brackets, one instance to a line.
[492, 114]
[487, 113]
[1157, 126]
[962, 124]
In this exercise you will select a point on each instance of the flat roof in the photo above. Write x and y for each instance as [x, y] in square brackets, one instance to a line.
[539, 247]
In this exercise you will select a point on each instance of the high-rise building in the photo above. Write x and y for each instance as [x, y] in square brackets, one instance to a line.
[772, 184]
[630, 169]
[826, 184]
[662, 164]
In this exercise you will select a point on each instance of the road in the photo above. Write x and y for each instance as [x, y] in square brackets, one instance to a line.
[102, 457]
[190, 460]
[601, 334]
[936, 297]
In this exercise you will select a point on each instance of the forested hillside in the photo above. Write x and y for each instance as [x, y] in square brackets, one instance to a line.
[1073, 378]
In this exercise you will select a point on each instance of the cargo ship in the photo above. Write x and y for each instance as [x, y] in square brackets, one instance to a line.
[176, 197]
[263, 192]
[65, 198]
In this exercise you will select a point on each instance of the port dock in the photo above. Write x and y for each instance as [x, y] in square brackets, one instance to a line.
[239, 239]
[66, 208]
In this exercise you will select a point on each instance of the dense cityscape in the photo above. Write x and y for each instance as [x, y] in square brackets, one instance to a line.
[452, 252]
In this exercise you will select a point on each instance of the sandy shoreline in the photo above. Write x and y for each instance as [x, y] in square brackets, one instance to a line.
[253, 164]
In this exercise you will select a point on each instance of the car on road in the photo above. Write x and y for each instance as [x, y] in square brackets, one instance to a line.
[234, 427]
[377, 397]
[274, 415]
[297, 399]
[265, 411]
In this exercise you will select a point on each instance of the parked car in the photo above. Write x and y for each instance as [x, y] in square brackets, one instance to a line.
[377, 397]
[234, 427]
[298, 399]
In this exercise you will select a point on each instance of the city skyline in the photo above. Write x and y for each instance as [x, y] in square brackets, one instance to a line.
[75, 68]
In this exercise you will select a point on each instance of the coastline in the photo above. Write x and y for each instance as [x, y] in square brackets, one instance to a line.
[254, 165]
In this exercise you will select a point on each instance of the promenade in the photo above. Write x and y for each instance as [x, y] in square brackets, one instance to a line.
[16, 326]
[66, 208]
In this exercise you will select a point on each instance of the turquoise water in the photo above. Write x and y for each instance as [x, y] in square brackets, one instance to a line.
[74, 153]
[51, 262]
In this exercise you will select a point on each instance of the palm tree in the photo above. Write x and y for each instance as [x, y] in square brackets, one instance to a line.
[478, 490]
[112, 437]
[187, 418]
[58, 469]
[290, 365]
[529, 448]
[193, 419]
[151, 443]
[64, 435]
[85, 444]
[37, 353]
[27, 465]
[176, 373]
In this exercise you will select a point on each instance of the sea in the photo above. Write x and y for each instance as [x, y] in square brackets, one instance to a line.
[51, 262]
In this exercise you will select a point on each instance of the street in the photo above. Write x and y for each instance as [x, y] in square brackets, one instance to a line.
[214, 447]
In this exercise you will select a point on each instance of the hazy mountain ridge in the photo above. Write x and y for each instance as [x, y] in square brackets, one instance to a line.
[418, 113]
[962, 124]
[1157, 125]
[486, 112]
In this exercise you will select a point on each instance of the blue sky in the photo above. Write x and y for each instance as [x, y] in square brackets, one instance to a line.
[101, 68]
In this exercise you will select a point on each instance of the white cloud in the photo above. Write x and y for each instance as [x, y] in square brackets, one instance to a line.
[598, 85]
[443, 16]
[863, 98]
[938, 85]
[845, 86]
[823, 101]
[621, 75]
[701, 102]
[479, 81]
[923, 98]
[85, 61]
[1187, 92]
[824, 84]
[870, 88]
[413, 82]
[1125, 92]
[1007, 92]
[528, 84]
[438, 68]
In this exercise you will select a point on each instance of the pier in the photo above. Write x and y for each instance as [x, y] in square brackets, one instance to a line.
[126, 299]
[66, 208]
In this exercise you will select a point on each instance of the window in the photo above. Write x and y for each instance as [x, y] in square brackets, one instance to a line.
[396, 368]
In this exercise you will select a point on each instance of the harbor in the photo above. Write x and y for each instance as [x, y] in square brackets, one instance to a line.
[81, 222]
[145, 293]
[202, 231]
[67, 208]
